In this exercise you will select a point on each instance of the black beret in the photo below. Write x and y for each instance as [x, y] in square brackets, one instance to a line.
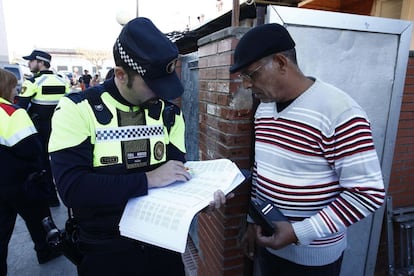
[39, 55]
[144, 48]
[260, 42]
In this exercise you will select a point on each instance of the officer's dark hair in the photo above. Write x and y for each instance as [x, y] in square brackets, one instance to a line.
[120, 62]
[110, 74]
[47, 64]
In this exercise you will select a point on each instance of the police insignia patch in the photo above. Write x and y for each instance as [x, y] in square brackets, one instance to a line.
[158, 150]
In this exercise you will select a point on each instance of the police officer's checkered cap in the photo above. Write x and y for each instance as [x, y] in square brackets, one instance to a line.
[39, 55]
[146, 49]
[149, 52]
[128, 60]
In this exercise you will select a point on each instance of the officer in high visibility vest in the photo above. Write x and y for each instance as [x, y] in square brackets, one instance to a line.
[40, 95]
[20, 147]
[115, 141]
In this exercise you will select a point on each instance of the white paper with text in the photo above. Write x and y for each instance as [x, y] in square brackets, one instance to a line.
[163, 217]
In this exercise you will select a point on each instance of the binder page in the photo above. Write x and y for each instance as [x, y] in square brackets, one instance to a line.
[163, 217]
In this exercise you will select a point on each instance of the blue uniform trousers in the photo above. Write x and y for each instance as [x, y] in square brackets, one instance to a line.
[32, 214]
[129, 258]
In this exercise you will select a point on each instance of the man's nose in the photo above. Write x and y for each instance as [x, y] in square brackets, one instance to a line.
[246, 83]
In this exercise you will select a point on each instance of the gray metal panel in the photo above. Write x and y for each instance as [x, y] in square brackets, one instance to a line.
[367, 58]
[189, 104]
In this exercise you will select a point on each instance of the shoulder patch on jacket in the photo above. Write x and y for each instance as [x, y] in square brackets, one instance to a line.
[76, 97]
[101, 111]
[168, 115]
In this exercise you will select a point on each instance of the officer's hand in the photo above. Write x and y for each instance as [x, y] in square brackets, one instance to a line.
[218, 201]
[166, 174]
[283, 236]
[248, 241]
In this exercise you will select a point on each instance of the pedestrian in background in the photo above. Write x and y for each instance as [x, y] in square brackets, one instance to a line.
[40, 95]
[20, 147]
[85, 80]
[116, 141]
[95, 80]
[314, 159]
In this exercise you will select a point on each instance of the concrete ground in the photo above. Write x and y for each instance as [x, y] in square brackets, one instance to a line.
[22, 259]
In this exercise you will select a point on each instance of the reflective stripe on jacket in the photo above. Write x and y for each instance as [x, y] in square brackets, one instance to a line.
[133, 136]
[15, 124]
[45, 89]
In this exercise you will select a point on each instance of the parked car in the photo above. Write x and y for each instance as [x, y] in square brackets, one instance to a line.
[68, 76]
[20, 71]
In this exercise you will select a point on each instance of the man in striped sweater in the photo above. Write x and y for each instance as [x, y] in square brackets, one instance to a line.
[314, 158]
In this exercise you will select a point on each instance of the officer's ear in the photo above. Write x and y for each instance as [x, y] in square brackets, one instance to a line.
[120, 74]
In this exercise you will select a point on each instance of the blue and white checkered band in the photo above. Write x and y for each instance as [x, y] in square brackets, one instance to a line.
[129, 133]
[129, 61]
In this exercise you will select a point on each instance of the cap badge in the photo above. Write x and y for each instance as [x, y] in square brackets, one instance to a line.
[171, 66]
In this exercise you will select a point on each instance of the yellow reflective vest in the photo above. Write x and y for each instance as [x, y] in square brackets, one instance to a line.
[45, 88]
[15, 124]
[131, 136]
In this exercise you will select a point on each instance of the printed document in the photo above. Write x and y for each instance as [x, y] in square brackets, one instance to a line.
[163, 217]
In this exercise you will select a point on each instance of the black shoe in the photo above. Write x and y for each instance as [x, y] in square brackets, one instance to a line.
[50, 255]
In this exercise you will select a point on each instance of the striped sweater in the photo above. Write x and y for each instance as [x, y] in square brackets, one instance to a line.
[316, 161]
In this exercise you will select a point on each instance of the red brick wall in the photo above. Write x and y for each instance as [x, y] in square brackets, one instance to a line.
[402, 175]
[224, 128]
[225, 132]
[401, 186]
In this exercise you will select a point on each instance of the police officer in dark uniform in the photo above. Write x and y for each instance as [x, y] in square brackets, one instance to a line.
[20, 147]
[115, 141]
[40, 95]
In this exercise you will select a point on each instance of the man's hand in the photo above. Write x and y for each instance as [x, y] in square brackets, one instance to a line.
[219, 200]
[283, 236]
[248, 241]
[166, 174]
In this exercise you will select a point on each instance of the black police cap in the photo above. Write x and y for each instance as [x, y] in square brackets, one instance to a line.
[39, 55]
[145, 49]
[260, 42]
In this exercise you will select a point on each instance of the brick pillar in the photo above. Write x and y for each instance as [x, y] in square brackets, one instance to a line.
[225, 132]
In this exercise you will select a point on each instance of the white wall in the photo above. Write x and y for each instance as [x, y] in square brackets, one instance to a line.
[4, 52]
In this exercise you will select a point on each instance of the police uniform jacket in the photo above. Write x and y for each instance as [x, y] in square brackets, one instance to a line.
[100, 148]
[19, 148]
[41, 93]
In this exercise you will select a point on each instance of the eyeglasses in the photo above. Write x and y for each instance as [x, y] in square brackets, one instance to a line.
[249, 76]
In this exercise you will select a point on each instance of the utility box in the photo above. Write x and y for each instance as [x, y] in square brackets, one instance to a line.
[367, 58]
